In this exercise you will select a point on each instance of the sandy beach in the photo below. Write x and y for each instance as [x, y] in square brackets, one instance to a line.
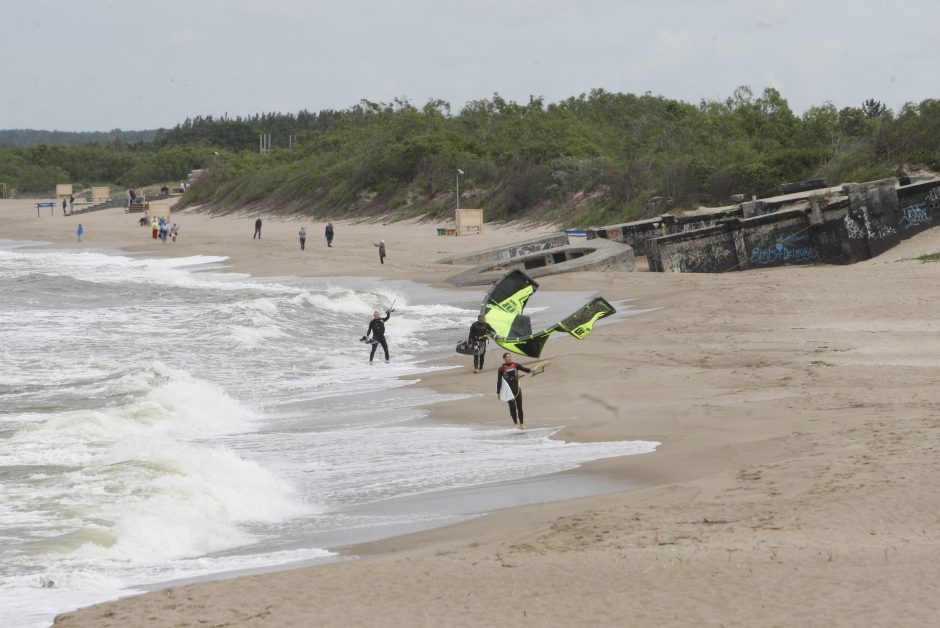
[798, 410]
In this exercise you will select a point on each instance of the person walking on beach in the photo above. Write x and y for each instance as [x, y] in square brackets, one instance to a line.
[479, 334]
[174, 231]
[257, 230]
[303, 237]
[329, 234]
[164, 230]
[64, 205]
[155, 228]
[80, 231]
[381, 245]
[508, 390]
[71, 204]
[377, 333]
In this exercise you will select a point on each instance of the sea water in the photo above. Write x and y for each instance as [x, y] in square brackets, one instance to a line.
[162, 419]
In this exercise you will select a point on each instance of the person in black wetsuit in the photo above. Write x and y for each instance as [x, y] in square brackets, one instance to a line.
[508, 375]
[479, 333]
[377, 331]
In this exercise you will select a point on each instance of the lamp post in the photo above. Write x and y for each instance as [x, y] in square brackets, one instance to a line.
[457, 213]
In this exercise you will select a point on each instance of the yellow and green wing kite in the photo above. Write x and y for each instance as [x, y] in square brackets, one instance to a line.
[504, 307]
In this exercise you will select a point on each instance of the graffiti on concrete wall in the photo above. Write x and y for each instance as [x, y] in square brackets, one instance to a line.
[763, 211]
[854, 229]
[710, 258]
[878, 227]
[795, 249]
[933, 198]
[526, 249]
[915, 215]
[695, 226]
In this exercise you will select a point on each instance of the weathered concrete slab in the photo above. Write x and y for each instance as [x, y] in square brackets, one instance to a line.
[601, 254]
[505, 253]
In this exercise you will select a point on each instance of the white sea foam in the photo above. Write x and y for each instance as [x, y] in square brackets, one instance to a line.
[160, 423]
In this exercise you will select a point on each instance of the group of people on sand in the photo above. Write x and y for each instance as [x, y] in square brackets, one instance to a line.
[507, 375]
[161, 228]
[327, 232]
[302, 234]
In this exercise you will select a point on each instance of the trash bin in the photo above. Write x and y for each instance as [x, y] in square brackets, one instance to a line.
[452, 232]
[442, 232]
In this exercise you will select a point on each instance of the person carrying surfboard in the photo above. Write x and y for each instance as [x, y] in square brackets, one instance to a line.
[508, 390]
[479, 334]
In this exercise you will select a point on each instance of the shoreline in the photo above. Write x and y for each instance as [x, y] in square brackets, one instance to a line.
[795, 485]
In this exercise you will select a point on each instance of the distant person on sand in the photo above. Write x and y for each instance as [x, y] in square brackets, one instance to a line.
[303, 237]
[329, 234]
[155, 227]
[507, 388]
[133, 195]
[479, 334]
[174, 231]
[71, 204]
[64, 205]
[377, 331]
[257, 230]
[80, 231]
[381, 245]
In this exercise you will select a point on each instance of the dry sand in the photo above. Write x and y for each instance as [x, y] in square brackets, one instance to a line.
[799, 415]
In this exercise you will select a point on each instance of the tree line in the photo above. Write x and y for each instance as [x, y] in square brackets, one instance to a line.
[595, 158]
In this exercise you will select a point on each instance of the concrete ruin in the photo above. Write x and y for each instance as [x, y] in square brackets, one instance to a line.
[546, 256]
[839, 225]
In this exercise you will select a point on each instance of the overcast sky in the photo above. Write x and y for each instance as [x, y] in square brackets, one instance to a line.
[84, 65]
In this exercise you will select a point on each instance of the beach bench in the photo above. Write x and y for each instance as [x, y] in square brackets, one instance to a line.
[136, 207]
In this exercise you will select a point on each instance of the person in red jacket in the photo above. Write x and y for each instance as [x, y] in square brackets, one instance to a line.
[507, 388]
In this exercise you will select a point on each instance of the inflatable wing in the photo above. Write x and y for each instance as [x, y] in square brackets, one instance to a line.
[503, 309]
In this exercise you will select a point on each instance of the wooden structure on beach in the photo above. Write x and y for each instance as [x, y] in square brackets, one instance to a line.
[63, 190]
[100, 194]
[159, 209]
[469, 221]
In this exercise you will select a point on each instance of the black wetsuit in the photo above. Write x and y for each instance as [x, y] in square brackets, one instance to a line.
[377, 331]
[478, 336]
[509, 373]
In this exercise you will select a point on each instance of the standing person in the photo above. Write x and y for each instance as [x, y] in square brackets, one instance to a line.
[377, 331]
[64, 204]
[329, 234]
[381, 245]
[479, 334]
[133, 195]
[164, 230]
[507, 388]
[155, 228]
[174, 231]
[71, 204]
[80, 231]
[303, 237]
[257, 230]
